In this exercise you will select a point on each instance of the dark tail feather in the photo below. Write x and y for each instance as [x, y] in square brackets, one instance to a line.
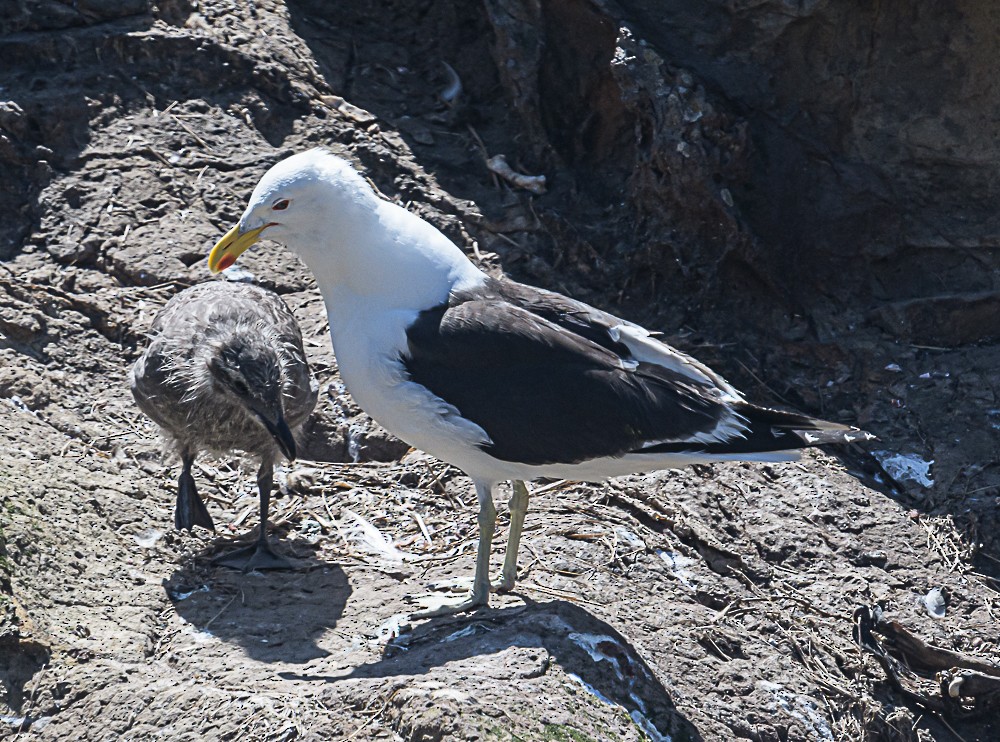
[773, 430]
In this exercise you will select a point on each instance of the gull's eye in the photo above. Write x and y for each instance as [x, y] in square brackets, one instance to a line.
[280, 205]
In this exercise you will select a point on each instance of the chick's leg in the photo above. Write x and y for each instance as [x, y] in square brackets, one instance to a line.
[190, 510]
[260, 555]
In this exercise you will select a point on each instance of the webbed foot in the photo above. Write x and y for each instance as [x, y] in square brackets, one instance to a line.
[470, 603]
[190, 510]
[258, 556]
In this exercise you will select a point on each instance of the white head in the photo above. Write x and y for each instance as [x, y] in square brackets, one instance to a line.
[297, 203]
[319, 206]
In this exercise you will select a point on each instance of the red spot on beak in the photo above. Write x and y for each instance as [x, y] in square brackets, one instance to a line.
[226, 261]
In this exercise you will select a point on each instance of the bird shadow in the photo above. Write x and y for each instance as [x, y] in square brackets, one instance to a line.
[275, 616]
[584, 646]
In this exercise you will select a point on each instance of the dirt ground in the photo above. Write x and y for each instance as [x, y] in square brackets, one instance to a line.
[708, 604]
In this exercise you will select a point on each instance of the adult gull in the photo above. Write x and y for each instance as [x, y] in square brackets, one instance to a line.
[503, 380]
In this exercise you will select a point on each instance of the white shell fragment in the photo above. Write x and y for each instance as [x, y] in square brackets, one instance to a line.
[454, 88]
[148, 538]
[934, 603]
[955, 686]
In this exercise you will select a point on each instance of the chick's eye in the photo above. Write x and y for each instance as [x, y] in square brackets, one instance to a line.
[280, 205]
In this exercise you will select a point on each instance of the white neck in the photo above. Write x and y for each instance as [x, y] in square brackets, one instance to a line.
[376, 256]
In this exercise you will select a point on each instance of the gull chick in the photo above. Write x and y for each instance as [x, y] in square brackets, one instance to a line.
[503, 380]
[224, 370]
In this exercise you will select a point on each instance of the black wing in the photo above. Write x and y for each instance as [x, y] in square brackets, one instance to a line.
[579, 318]
[546, 394]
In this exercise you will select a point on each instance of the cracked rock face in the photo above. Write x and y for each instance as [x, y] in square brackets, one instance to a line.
[801, 195]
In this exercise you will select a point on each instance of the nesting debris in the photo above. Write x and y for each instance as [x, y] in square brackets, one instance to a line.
[371, 539]
[949, 683]
[535, 183]
[349, 110]
[906, 467]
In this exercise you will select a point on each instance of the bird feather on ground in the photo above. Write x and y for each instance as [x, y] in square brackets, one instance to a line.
[503, 380]
[225, 370]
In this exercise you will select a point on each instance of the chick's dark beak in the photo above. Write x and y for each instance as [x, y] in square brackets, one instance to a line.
[282, 435]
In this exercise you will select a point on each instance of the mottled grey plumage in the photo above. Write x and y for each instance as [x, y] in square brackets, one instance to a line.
[225, 369]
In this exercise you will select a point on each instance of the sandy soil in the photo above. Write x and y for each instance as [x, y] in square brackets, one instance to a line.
[709, 604]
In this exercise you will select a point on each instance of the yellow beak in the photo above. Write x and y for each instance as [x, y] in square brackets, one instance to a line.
[231, 246]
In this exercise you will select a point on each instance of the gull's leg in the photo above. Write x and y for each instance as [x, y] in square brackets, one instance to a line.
[487, 527]
[480, 595]
[260, 555]
[190, 510]
[518, 509]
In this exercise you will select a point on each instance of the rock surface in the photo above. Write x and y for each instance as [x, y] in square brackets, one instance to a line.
[802, 195]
